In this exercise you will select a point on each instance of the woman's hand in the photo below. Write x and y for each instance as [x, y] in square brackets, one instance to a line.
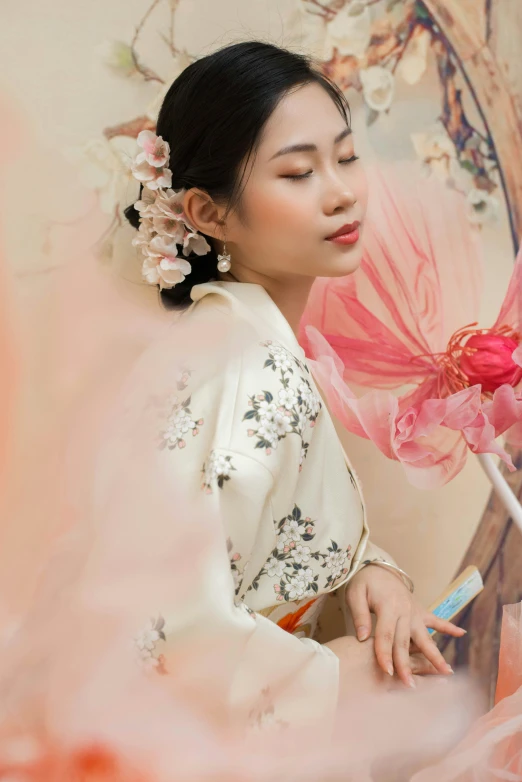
[360, 673]
[401, 622]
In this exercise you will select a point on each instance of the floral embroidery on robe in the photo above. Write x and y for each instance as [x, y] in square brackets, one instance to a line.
[295, 407]
[263, 716]
[146, 644]
[216, 469]
[290, 563]
[179, 423]
[237, 570]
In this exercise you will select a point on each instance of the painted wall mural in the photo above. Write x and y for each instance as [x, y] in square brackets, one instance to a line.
[435, 81]
[365, 46]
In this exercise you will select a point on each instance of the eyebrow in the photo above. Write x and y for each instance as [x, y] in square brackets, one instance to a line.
[310, 147]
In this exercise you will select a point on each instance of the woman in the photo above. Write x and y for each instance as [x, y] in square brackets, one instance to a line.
[253, 176]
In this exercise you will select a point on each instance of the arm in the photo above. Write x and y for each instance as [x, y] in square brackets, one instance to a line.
[190, 507]
[379, 586]
[267, 674]
[374, 555]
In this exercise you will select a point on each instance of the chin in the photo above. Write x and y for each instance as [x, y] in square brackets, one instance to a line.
[347, 264]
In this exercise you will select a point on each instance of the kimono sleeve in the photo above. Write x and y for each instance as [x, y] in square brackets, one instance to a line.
[266, 674]
[371, 553]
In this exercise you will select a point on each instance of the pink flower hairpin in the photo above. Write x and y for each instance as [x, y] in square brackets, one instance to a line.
[164, 227]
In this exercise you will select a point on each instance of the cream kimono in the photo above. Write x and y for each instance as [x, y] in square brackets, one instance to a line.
[257, 446]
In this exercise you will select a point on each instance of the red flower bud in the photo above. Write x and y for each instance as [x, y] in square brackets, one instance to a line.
[490, 363]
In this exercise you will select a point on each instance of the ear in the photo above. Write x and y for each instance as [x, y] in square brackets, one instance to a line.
[203, 213]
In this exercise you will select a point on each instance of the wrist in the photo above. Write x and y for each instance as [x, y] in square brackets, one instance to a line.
[392, 568]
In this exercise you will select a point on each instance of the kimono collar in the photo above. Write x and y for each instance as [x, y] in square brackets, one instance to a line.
[255, 305]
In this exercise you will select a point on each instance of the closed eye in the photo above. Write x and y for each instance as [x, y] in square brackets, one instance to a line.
[305, 176]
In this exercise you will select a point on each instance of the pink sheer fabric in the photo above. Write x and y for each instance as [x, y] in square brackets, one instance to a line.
[7, 387]
[493, 749]
[385, 327]
[93, 537]
[75, 702]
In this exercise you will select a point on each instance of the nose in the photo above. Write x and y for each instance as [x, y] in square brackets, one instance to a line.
[339, 196]
[346, 200]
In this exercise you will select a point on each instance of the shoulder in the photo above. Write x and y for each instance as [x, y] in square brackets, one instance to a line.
[276, 405]
[250, 394]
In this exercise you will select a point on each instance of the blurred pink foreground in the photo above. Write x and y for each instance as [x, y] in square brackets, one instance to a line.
[92, 536]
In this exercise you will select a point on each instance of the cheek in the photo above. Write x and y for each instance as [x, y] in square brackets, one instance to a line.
[277, 210]
[360, 188]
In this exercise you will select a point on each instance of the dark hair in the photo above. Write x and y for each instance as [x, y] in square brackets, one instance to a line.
[212, 117]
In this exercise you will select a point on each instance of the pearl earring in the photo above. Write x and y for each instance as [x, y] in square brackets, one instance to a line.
[224, 260]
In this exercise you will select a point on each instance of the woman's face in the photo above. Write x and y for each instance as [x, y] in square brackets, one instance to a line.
[304, 185]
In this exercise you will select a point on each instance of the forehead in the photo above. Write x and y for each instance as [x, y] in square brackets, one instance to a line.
[307, 114]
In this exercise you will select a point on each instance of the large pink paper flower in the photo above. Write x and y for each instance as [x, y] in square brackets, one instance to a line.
[488, 361]
[400, 322]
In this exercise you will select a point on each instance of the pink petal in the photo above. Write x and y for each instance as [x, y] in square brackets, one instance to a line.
[430, 438]
[505, 409]
[514, 435]
[146, 138]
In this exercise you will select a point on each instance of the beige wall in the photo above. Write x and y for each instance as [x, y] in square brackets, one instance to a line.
[50, 62]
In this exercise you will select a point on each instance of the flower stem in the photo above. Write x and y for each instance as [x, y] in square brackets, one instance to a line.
[147, 73]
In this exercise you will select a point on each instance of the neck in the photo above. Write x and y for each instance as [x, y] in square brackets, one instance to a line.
[289, 295]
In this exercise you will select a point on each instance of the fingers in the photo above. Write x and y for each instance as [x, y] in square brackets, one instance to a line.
[357, 600]
[384, 637]
[442, 626]
[425, 644]
[420, 666]
[401, 651]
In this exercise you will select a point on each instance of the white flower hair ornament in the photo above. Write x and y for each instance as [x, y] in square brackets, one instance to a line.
[163, 224]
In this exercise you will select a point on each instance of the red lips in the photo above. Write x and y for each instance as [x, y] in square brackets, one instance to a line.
[345, 229]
